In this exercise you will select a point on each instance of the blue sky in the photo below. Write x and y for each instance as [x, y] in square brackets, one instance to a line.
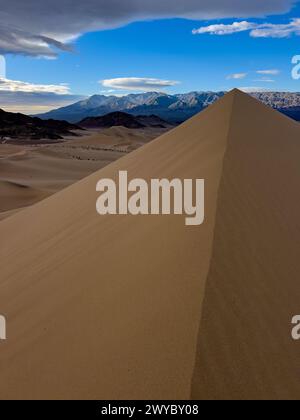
[161, 49]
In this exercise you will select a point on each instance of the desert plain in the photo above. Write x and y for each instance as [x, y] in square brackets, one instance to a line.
[30, 173]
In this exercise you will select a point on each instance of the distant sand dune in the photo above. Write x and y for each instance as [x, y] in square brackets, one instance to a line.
[51, 168]
[124, 307]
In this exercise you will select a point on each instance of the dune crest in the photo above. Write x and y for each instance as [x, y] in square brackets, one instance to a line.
[143, 307]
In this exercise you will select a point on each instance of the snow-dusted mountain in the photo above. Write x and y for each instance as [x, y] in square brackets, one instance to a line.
[175, 108]
[170, 107]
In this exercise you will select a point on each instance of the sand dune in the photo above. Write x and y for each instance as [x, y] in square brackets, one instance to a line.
[124, 307]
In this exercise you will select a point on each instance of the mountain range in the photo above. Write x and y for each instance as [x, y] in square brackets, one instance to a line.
[174, 108]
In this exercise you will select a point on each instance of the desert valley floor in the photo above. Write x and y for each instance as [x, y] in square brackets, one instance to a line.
[30, 173]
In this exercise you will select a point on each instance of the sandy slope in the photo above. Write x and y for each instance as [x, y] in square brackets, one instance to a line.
[6, 214]
[111, 307]
[15, 195]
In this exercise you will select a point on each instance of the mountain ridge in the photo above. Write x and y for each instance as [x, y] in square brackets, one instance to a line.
[16, 126]
[124, 119]
[174, 108]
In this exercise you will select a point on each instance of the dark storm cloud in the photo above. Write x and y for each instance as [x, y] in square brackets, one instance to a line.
[38, 28]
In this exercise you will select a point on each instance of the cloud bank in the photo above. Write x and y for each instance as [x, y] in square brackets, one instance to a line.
[138, 84]
[7, 85]
[40, 28]
[30, 98]
[35, 103]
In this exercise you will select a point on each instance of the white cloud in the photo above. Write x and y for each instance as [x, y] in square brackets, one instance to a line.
[264, 80]
[222, 29]
[138, 84]
[273, 72]
[257, 30]
[237, 76]
[40, 28]
[270, 30]
[7, 85]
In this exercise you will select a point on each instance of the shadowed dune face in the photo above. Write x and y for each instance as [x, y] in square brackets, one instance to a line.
[245, 349]
[124, 307]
